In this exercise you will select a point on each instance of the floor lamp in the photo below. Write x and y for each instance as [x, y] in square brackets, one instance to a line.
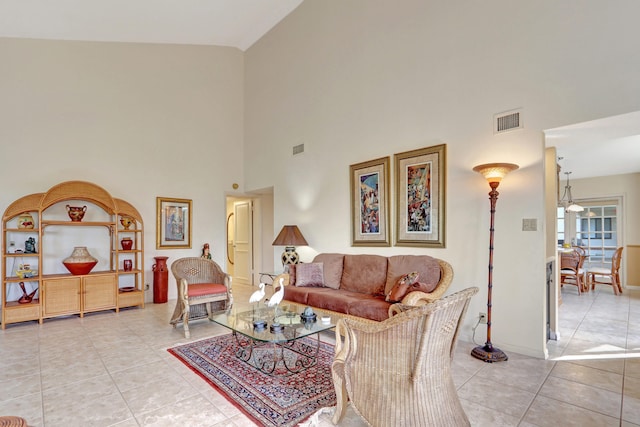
[493, 173]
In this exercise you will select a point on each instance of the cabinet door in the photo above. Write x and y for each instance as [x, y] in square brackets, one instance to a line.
[99, 292]
[61, 296]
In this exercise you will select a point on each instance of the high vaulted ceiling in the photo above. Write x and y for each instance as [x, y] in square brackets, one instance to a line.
[237, 23]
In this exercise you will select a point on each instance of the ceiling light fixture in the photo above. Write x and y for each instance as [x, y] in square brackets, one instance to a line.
[569, 205]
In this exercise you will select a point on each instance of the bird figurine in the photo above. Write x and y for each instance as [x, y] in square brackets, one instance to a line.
[257, 295]
[276, 298]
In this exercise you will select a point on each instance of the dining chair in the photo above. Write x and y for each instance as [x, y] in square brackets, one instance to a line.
[572, 271]
[604, 276]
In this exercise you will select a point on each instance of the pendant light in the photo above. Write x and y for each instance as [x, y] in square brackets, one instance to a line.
[569, 205]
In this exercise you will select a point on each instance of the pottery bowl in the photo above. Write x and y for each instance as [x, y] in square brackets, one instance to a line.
[80, 268]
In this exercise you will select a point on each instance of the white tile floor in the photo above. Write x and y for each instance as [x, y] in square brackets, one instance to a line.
[111, 369]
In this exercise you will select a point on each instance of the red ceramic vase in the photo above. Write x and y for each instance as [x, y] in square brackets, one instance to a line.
[126, 243]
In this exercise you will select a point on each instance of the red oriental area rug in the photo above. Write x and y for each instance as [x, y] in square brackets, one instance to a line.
[270, 400]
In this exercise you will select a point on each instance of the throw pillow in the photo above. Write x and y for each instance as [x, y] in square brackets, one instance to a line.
[332, 269]
[310, 274]
[401, 287]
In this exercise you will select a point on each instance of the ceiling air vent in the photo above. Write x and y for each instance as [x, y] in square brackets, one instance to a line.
[298, 149]
[507, 121]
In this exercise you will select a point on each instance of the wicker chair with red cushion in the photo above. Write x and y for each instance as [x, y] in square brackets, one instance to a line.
[203, 288]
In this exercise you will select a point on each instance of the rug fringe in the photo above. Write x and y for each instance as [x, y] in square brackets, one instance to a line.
[314, 419]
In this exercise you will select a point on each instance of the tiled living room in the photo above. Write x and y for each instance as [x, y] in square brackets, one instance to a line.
[149, 102]
[113, 369]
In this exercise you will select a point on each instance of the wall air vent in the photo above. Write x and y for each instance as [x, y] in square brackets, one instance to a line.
[298, 149]
[507, 121]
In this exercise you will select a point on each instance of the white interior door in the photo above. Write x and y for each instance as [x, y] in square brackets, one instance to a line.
[242, 247]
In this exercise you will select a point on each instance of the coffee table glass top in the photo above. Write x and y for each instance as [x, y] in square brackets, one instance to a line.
[241, 319]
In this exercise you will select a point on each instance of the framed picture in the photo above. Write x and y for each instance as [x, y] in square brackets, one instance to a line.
[173, 225]
[420, 197]
[370, 203]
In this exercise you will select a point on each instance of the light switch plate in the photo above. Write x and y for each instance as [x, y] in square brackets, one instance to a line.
[529, 224]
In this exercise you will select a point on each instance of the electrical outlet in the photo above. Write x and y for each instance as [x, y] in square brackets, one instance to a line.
[146, 286]
[483, 317]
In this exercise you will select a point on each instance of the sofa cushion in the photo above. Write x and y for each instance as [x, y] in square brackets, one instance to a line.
[373, 308]
[310, 274]
[333, 264]
[427, 267]
[301, 294]
[365, 274]
[201, 289]
[333, 300]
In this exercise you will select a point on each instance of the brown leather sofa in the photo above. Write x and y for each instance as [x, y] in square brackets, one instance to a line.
[358, 285]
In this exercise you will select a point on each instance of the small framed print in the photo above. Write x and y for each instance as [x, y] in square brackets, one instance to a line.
[173, 225]
[370, 203]
[420, 197]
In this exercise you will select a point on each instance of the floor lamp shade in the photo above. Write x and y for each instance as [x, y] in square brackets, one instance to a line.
[493, 173]
[290, 237]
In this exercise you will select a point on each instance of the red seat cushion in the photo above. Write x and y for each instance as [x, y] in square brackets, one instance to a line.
[201, 289]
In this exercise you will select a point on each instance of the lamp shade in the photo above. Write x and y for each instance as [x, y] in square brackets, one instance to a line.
[494, 172]
[290, 235]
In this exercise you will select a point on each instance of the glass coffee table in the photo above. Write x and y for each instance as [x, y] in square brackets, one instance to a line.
[276, 345]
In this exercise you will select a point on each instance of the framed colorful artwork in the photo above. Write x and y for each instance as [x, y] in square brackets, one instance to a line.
[173, 225]
[420, 197]
[370, 203]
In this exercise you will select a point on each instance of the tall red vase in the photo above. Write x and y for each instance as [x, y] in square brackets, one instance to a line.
[160, 280]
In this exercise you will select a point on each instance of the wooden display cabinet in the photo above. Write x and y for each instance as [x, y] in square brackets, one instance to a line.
[60, 294]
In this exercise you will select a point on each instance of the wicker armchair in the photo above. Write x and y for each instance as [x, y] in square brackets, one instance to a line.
[202, 289]
[398, 372]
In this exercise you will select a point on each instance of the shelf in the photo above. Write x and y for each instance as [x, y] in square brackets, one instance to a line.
[122, 272]
[29, 254]
[16, 279]
[64, 293]
[93, 273]
[80, 223]
[15, 304]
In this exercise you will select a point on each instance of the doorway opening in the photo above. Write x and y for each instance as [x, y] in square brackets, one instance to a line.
[249, 233]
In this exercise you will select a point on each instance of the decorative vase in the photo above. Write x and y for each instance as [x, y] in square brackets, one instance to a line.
[76, 213]
[25, 221]
[80, 261]
[126, 222]
[160, 280]
[126, 243]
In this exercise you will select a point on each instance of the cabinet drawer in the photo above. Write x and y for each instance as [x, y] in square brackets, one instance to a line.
[130, 299]
[22, 313]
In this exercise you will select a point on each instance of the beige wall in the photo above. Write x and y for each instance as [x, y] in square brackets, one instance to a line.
[139, 120]
[352, 80]
[362, 79]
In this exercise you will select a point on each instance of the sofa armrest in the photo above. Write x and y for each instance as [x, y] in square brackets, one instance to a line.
[420, 298]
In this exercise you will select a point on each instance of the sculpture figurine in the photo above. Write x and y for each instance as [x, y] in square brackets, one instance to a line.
[206, 253]
[26, 298]
[257, 295]
[276, 298]
[30, 246]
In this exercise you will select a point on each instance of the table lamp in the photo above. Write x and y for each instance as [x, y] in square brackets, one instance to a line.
[290, 236]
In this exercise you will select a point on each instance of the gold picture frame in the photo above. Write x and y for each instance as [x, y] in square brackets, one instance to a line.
[370, 223]
[173, 223]
[420, 197]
